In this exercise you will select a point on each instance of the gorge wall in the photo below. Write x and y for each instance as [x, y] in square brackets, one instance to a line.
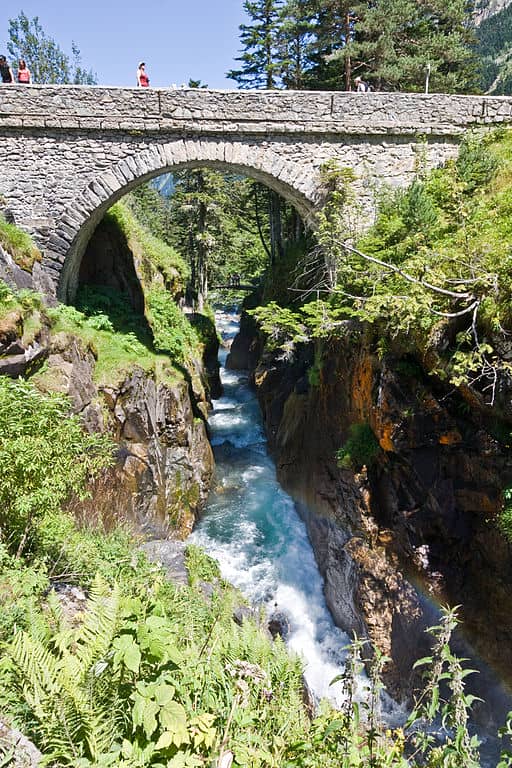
[164, 463]
[414, 528]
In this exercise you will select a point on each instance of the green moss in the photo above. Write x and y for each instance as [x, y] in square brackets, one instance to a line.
[19, 245]
[116, 352]
[172, 332]
[360, 449]
[155, 259]
[204, 326]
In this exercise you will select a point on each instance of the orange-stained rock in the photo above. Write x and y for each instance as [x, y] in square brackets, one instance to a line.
[450, 438]
[420, 516]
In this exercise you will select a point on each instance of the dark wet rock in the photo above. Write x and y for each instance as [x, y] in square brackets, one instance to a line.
[246, 348]
[242, 613]
[278, 624]
[21, 365]
[419, 518]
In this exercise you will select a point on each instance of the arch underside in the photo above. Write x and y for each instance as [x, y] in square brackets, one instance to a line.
[291, 179]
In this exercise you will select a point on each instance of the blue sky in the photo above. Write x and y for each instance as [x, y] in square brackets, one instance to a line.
[177, 39]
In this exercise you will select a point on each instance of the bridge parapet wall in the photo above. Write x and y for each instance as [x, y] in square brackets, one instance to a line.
[249, 112]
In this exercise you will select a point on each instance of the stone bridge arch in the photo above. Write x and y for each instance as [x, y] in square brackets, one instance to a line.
[69, 152]
[294, 181]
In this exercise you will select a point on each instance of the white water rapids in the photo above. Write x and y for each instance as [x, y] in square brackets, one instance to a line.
[251, 527]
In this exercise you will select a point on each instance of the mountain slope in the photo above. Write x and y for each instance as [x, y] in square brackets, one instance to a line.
[494, 33]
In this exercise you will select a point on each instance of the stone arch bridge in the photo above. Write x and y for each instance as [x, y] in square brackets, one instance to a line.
[67, 153]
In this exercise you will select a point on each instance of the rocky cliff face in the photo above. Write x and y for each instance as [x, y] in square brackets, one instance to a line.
[484, 9]
[413, 528]
[164, 462]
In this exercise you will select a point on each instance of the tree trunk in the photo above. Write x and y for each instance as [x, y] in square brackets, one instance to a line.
[276, 235]
[202, 260]
[348, 62]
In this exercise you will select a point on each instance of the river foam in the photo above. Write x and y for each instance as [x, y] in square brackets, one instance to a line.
[252, 528]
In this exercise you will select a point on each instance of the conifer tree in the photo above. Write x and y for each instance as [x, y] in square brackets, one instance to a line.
[331, 66]
[411, 46]
[295, 37]
[260, 61]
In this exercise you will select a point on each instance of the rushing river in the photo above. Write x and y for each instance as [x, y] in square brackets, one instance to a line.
[251, 527]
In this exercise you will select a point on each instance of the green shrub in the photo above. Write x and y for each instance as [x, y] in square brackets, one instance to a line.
[200, 566]
[505, 516]
[21, 589]
[360, 449]
[45, 455]
[153, 255]
[172, 332]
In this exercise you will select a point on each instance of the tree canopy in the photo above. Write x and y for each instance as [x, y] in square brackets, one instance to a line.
[324, 44]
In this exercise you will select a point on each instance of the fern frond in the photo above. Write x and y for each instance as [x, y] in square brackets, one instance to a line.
[94, 637]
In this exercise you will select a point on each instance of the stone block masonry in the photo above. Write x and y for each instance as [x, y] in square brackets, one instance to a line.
[67, 153]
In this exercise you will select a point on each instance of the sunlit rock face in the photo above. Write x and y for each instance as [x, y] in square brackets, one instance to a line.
[486, 8]
[164, 463]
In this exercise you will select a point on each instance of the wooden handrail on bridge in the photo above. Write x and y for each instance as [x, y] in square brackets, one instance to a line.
[240, 287]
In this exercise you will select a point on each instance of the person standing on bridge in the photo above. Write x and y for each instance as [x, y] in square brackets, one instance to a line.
[24, 75]
[5, 71]
[361, 86]
[142, 78]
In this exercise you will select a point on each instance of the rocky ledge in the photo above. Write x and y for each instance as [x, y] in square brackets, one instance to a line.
[164, 462]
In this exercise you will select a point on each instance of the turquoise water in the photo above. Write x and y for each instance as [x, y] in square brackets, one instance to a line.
[251, 527]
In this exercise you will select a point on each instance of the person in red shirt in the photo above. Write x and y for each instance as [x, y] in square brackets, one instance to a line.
[24, 75]
[142, 78]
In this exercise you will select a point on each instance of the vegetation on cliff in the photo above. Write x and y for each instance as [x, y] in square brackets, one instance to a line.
[431, 278]
[19, 245]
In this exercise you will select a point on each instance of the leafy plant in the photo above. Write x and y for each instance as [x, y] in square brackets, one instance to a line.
[172, 332]
[459, 749]
[360, 449]
[45, 455]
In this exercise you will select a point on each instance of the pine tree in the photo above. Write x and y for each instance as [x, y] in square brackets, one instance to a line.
[295, 36]
[331, 62]
[411, 46]
[214, 227]
[260, 60]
